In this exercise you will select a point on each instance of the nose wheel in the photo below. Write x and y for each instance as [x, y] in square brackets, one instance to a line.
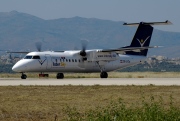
[104, 75]
[23, 76]
[60, 76]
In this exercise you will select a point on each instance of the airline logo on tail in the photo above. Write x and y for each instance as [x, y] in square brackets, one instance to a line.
[142, 42]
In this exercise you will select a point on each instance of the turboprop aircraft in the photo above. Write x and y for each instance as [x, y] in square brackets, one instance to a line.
[89, 61]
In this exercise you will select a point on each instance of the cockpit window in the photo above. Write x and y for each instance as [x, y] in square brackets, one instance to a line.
[36, 57]
[27, 57]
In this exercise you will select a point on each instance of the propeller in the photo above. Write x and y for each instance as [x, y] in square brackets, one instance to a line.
[84, 43]
[10, 56]
[38, 46]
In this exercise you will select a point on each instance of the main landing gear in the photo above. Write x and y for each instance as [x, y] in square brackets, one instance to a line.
[104, 74]
[23, 76]
[60, 76]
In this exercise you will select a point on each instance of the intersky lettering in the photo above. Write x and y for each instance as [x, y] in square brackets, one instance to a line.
[56, 64]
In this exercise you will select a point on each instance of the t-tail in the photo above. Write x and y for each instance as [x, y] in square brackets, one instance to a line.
[143, 36]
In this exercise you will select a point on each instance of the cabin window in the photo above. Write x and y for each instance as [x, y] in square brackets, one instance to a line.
[72, 60]
[66, 60]
[79, 61]
[69, 60]
[75, 60]
[36, 57]
[27, 57]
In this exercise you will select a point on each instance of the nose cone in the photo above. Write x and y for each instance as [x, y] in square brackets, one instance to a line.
[19, 67]
[15, 68]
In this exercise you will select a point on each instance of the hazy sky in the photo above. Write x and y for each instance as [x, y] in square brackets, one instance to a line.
[116, 10]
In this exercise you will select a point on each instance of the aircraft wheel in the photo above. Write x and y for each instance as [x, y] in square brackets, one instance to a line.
[60, 76]
[23, 76]
[104, 75]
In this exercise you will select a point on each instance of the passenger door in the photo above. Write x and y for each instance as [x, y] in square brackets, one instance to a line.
[48, 57]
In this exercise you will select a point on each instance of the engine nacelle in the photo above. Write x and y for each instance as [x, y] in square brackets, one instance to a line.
[82, 53]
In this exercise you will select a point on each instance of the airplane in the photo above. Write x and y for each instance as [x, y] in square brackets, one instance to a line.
[90, 61]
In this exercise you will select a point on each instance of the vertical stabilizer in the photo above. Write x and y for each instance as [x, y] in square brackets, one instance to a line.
[141, 38]
[143, 35]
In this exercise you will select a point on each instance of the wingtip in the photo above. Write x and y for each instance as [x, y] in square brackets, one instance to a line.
[168, 22]
[158, 46]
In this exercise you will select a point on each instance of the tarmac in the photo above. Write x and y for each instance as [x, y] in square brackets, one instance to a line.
[89, 81]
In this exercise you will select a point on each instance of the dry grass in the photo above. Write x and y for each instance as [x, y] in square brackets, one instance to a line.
[47, 102]
[97, 75]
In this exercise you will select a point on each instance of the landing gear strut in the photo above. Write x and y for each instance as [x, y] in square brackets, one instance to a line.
[23, 76]
[60, 76]
[104, 74]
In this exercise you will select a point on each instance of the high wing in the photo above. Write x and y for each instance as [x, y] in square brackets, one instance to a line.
[125, 49]
[18, 52]
[38, 46]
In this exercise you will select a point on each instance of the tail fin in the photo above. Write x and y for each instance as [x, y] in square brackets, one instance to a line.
[141, 39]
[143, 35]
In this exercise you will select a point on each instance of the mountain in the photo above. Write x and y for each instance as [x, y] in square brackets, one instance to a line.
[20, 32]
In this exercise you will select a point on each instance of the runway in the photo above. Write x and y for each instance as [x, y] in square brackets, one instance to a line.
[90, 81]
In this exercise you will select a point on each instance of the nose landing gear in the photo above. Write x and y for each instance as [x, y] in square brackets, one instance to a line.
[104, 74]
[23, 76]
[60, 76]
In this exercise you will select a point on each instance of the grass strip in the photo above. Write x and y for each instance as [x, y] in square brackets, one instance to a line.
[97, 102]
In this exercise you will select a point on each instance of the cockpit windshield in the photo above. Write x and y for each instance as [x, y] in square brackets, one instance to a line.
[28, 57]
[32, 57]
[36, 57]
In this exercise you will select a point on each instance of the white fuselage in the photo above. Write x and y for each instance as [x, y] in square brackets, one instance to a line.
[71, 61]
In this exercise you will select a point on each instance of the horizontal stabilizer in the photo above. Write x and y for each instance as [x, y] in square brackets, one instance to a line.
[149, 23]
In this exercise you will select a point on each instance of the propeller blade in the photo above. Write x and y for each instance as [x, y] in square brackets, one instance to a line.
[38, 46]
[84, 43]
